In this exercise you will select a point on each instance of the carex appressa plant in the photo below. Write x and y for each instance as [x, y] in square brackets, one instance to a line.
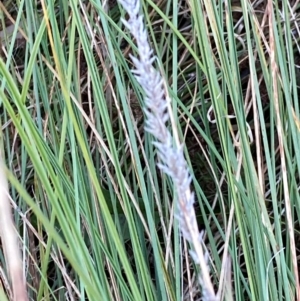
[170, 153]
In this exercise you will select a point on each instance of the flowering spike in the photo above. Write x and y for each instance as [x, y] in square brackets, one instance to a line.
[172, 158]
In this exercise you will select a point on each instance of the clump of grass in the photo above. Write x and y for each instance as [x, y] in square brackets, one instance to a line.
[97, 220]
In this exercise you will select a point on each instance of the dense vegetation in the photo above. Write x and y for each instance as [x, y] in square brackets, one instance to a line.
[96, 217]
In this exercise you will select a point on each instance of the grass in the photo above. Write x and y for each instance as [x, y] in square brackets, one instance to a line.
[95, 216]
